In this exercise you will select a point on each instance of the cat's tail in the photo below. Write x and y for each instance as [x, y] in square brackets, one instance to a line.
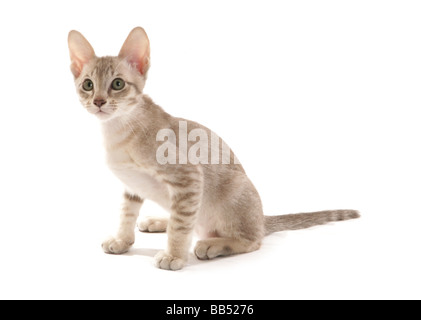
[306, 220]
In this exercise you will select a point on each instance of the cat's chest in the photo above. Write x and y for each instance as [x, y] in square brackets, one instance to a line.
[137, 178]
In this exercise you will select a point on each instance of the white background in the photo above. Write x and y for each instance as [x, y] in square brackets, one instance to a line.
[320, 101]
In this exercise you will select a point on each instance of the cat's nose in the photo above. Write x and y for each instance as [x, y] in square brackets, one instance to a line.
[99, 102]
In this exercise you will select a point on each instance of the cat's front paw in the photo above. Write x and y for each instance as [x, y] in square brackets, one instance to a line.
[116, 246]
[166, 261]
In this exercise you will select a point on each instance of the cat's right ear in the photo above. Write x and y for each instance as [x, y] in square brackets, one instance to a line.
[81, 52]
[136, 50]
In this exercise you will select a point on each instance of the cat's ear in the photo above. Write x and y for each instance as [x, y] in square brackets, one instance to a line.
[136, 50]
[81, 52]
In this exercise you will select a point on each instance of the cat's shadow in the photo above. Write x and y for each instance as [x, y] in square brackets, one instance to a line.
[193, 260]
[149, 252]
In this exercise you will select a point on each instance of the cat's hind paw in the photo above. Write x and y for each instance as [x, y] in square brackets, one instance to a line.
[153, 224]
[116, 246]
[166, 261]
[212, 248]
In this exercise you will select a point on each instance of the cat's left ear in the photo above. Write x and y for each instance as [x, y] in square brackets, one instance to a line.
[136, 50]
[81, 52]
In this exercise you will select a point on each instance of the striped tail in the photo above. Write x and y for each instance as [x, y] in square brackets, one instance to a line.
[306, 220]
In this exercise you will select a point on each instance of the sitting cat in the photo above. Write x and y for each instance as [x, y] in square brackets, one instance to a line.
[215, 198]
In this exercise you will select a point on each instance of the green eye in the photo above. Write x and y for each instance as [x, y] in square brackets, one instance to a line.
[118, 84]
[88, 85]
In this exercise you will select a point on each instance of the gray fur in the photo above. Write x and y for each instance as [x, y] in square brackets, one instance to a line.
[218, 201]
[306, 220]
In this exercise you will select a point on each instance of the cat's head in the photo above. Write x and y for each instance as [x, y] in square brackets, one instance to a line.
[110, 86]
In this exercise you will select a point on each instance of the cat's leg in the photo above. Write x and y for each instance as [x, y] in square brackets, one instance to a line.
[153, 224]
[216, 247]
[237, 224]
[125, 236]
[186, 185]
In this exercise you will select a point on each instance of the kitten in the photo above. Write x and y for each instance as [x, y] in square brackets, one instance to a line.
[215, 199]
